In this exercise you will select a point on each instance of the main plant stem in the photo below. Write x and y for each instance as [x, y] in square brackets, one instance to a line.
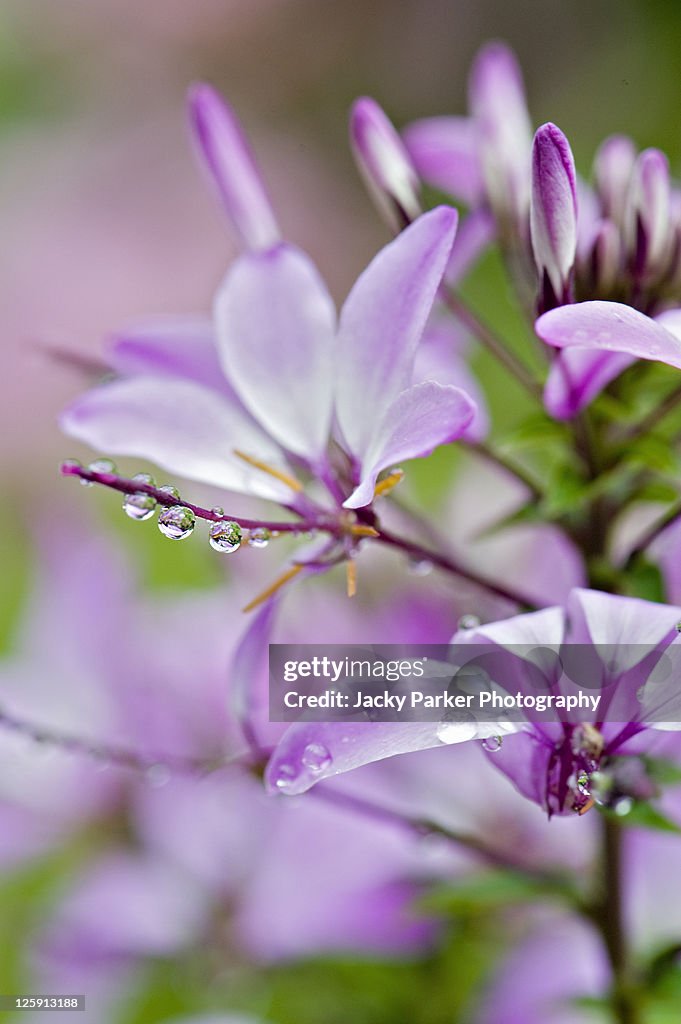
[607, 914]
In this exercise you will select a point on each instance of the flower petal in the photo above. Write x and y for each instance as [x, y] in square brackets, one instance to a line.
[441, 357]
[610, 327]
[275, 322]
[382, 322]
[421, 418]
[181, 426]
[445, 154]
[230, 161]
[577, 376]
[169, 346]
[553, 208]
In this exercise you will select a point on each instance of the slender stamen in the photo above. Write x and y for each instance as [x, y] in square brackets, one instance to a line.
[273, 587]
[351, 577]
[360, 530]
[279, 474]
[386, 485]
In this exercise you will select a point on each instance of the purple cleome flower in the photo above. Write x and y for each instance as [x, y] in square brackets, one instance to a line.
[278, 387]
[563, 765]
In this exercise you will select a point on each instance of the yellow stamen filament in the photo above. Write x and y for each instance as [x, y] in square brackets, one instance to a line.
[586, 807]
[363, 531]
[279, 474]
[273, 587]
[351, 577]
[386, 485]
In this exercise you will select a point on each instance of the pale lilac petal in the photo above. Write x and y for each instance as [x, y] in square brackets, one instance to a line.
[445, 154]
[230, 161]
[497, 100]
[613, 165]
[382, 322]
[543, 628]
[275, 322]
[648, 212]
[577, 376]
[439, 358]
[420, 419]
[476, 232]
[610, 327]
[248, 675]
[169, 346]
[630, 628]
[180, 426]
[553, 208]
[384, 163]
[348, 745]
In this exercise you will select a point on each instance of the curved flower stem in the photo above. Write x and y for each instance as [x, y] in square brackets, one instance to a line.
[449, 564]
[125, 486]
[512, 468]
[323, 523]
[113, 754]
[487, 337]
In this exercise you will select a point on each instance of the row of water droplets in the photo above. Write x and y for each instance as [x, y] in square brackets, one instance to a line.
[177, 522]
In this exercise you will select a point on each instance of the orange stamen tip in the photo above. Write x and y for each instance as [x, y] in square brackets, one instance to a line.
[386, 485]
[351, 577]
[273, 587]
[278, 474]
[586, 807]
[364, 531]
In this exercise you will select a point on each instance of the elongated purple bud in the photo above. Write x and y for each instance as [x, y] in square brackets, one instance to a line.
[553, 213]
[384, 163]
[606, 258]
[647, 219]
[613, 165]
[229, 159]
[497, 101]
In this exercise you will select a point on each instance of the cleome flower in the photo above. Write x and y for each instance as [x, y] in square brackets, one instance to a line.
[277, 396]
[618, 647]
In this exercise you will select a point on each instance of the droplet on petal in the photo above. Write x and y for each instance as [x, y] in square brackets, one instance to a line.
[139, 506]
[457, 727]
[259, 537]
[225, 537]
[419, 566]
[492, 743]
[285, 777]
[316, 757]
[177, 522]
[157, 775]
[102, 466]
[468, 621]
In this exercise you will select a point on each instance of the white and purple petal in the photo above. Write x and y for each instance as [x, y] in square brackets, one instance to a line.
[445, 152]
[384, 163]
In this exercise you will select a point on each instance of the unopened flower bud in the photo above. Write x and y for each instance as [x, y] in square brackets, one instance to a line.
[647, 217]
[613, 165]
[384, 163]
[553, 213]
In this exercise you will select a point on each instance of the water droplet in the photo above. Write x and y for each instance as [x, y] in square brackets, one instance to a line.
[492, 743]
[259, 537]
[144, 478]
[316, 757]
[419, 566]
[285, 777]
[72, 464]
[102, 466]
[583, 784]
[225, 537]
[468, 621]
[176, 522]
[170, 489]
[86, 483]
[157, 775]
[139, 506]
[457, 727]
[622, 806]
[218, 510]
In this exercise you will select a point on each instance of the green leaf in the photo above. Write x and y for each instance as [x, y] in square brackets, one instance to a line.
[663, 771]
[645, 815]
[645, 580]
[491, 890]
